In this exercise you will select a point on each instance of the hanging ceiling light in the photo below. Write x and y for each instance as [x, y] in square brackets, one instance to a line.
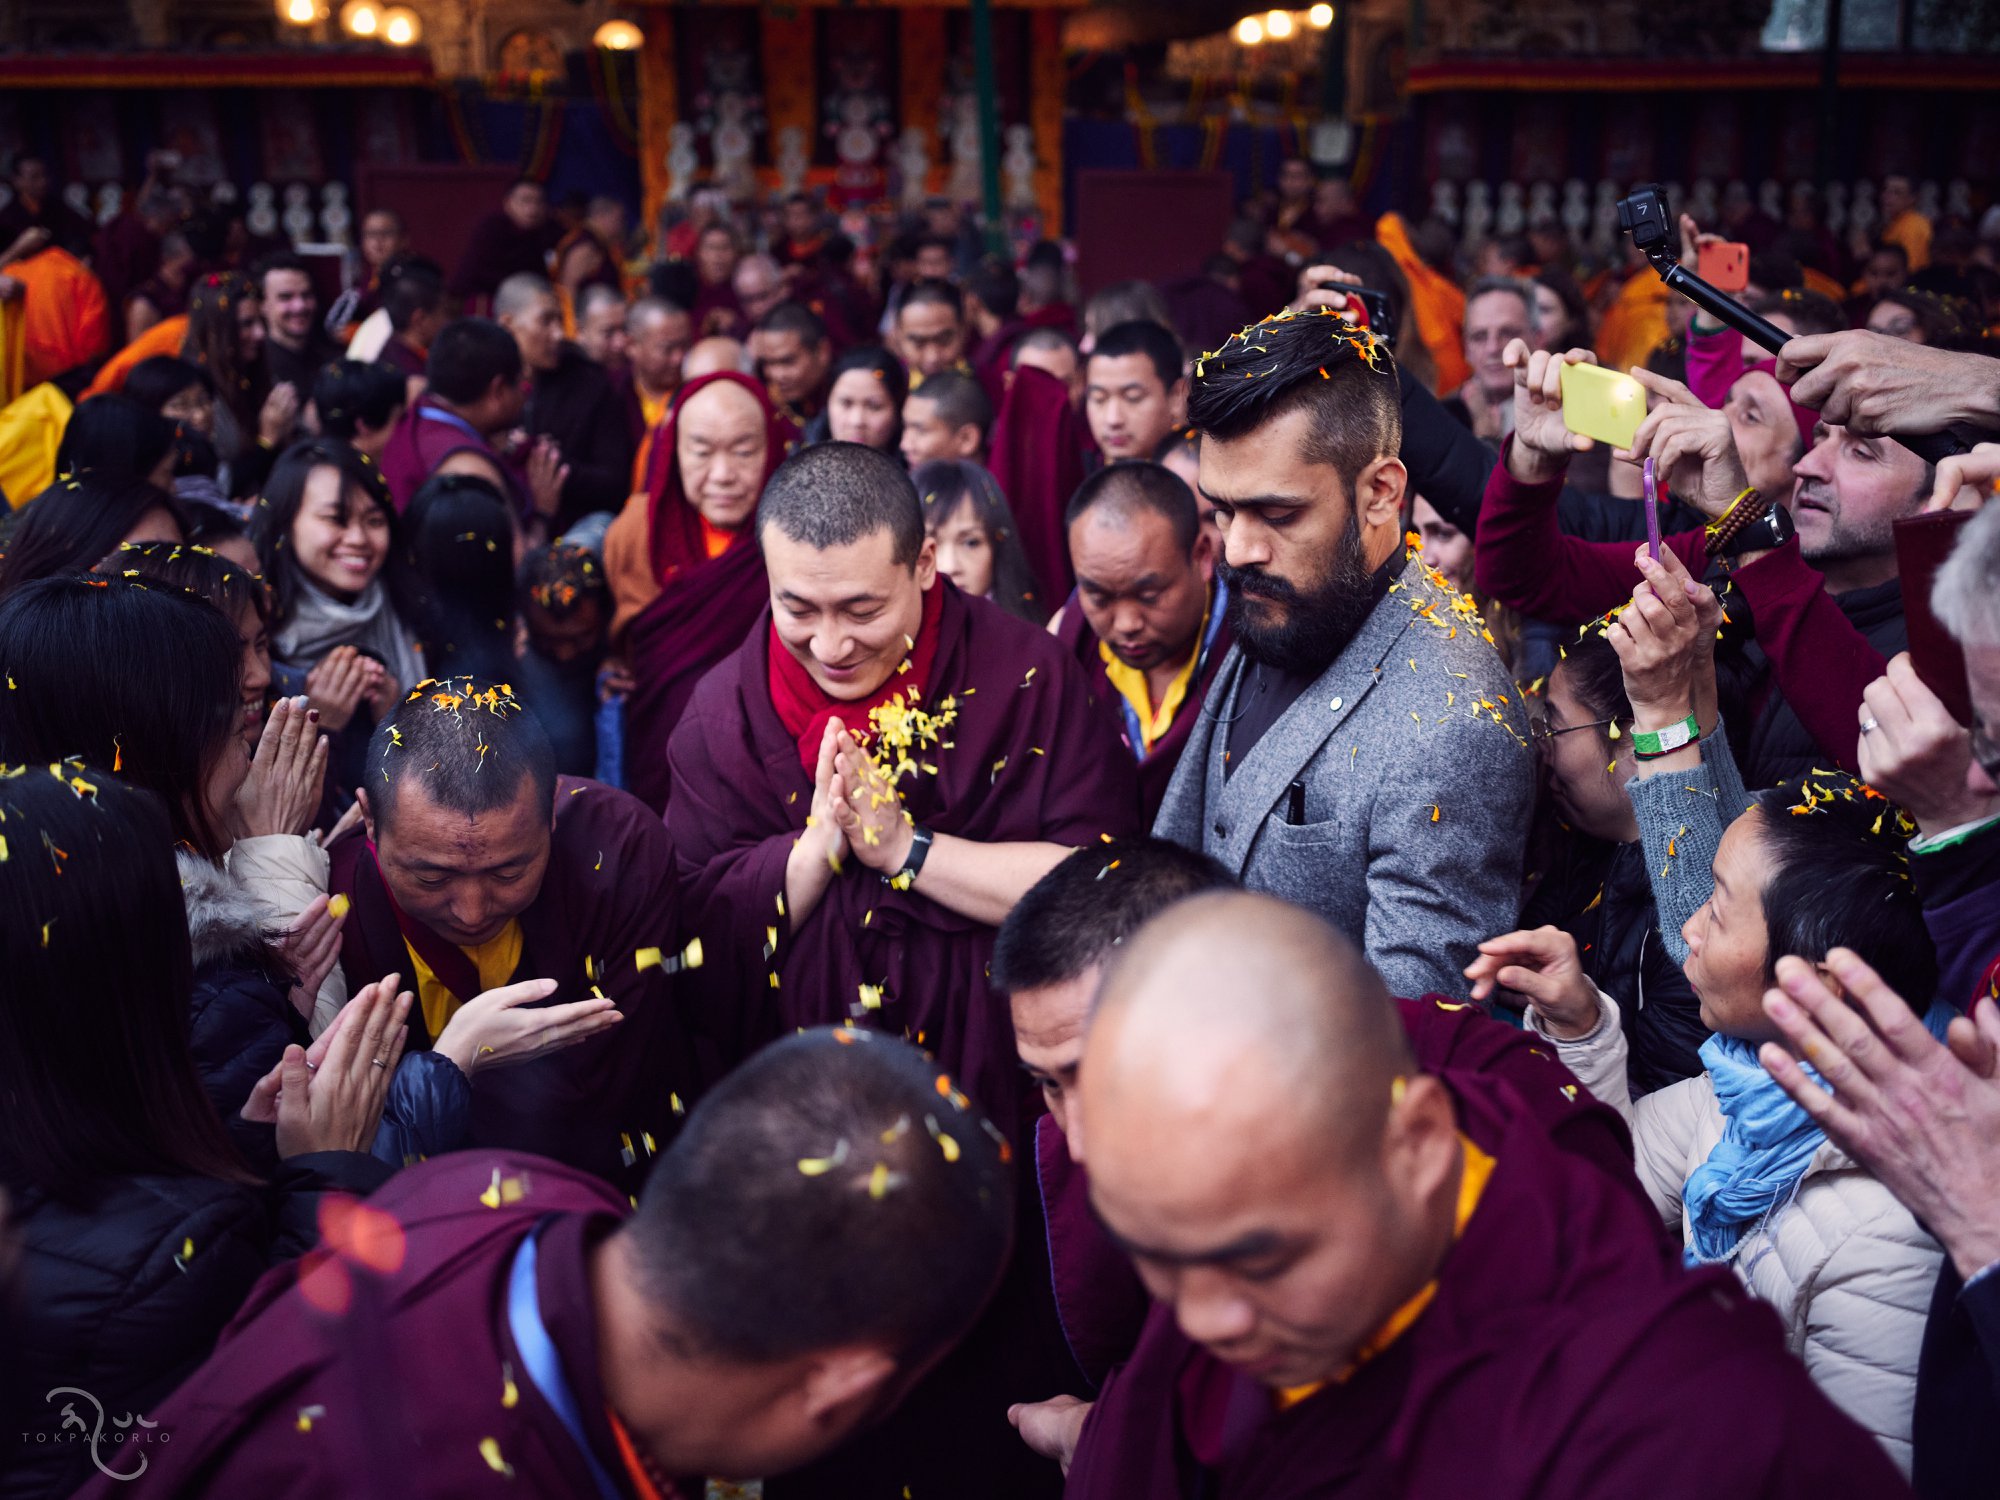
[1278, 24]
[400, 26]
[1249, 31]
[301, 12]
[619, 36]
[1320, 17]
[362, 18]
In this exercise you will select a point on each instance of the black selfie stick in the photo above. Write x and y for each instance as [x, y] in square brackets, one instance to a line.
[1644, 216]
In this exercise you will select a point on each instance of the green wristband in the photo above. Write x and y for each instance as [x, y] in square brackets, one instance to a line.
[1650, 744]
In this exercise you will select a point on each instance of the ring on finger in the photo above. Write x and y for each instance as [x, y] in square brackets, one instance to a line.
[1869, 725]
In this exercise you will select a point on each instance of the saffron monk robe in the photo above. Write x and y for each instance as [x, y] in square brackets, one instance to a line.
[983, 767]
[1148, 619]
[491, 1323]
[1050, 959]
[687, 580]
[1375, 1281]
[480, 867]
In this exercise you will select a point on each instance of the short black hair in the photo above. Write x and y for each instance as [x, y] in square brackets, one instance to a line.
[928, 241]
[1142, 336]
[834, 494]
[1889, 247]
[835, 1190]
[155, 381]
[930, 289]
[996, 286]
[1317, 361]
[1809, 311]
[349, 395]
[281, 260]
[1143, 485]
[468, 355]
[1041, 338]
[1774, 271]
[880, 363]
[794, 317]
[1840, 878]
[459, 536]
[961, 401]
[472, 742]
[129, 674]
[1592, 670]
[416, 287]
[561, 577]
[1073, 917]
[113, 438]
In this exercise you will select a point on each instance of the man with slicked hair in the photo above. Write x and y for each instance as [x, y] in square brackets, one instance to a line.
[830, 1222]
[1375, 1279]
[1147, 619]
[860, 794]
[1360, 752]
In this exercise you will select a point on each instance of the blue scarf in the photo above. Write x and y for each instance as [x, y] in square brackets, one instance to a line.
[1767, 1144]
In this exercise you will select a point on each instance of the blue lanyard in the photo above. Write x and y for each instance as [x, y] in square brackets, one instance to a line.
[451, 419]
[540, 1363]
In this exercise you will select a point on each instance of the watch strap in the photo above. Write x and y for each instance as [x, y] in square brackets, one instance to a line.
[921, 839]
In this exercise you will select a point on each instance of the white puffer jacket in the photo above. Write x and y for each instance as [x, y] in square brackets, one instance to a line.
[1843, 1262]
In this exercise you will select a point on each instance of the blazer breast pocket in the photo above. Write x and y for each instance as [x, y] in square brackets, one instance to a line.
[1280, 837]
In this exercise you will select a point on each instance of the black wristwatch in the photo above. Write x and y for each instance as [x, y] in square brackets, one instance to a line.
[1773, 529]
[920, 848]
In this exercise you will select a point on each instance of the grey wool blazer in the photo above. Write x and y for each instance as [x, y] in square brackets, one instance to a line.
[1418, 783]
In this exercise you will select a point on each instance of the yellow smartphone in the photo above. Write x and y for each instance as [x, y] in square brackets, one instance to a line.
[1602, 404]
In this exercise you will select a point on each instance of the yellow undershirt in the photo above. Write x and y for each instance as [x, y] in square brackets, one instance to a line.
[653, 408]
[1131, 685]
[496, 959]
[1471, 1183]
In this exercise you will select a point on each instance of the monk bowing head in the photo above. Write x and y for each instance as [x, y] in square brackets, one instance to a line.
[719, 443]
[1050, 954]
[830, 1221]
[459, 802]
[1143, 562]
[844, 545]
[1259, 1139]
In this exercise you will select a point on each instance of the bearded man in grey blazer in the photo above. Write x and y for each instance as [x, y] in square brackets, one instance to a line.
[1362, 751]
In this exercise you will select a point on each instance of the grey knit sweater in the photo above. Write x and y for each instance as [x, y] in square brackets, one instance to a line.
[1681, 818]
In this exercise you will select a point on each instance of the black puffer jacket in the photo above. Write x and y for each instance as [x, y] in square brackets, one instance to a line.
[123, 1291]
[241, 1016]
[1602, 898]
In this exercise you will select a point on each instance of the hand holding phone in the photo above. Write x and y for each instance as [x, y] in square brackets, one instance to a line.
[1602, 404]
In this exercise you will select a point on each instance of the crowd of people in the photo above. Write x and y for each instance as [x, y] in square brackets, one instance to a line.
[714, 856]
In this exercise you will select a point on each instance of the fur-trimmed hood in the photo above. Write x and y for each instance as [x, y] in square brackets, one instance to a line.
[226, 923]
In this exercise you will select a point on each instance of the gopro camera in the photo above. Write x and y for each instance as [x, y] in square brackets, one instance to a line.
[1644, 216]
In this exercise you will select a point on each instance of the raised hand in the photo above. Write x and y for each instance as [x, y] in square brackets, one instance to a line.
[1915, 753]
[1923, 1118]
[1542, 444]
[1692, 446]
[1876, 384]
[335, 1103]
[1665, 640]
[867, 809]
[1977, 471]
[310, 947]
[505, 1026]
[287, 774]
[547, 473]
[338, 683]
[279, 415]
[1320, 286]
[1053, 1427]
[1542, 966]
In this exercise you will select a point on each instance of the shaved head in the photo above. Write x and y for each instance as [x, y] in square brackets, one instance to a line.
[719, 352]
[1258, 1137]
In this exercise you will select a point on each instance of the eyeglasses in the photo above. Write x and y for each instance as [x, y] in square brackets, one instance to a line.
[1542, 734]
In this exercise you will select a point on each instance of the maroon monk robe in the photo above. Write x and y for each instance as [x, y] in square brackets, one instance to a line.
[1098, 1294]
[337, 1382]
[700, 607]
[500, 248]
[427, 434]
[1566, 1352]
[607, 898]
[1027, 761]
[1039, 452]
[1156, 767]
